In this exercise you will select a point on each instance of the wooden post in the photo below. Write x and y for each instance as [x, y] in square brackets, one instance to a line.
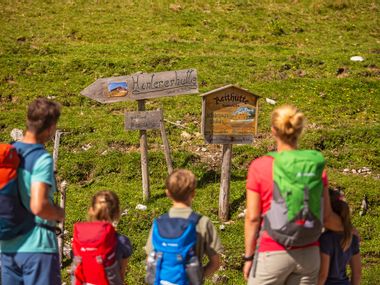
[61, 225]
[144, 156]
[57, 138]
[256, 116]
[225, 183]
[61, 193]
[166, 146]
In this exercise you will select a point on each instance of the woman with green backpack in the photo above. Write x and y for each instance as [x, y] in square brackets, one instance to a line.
[287, 206]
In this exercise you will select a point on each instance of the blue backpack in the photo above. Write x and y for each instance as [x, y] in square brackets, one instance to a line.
[15, 218]
[173, 259]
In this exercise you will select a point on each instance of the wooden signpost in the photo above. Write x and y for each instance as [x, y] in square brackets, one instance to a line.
[148, 120]
[229, 116]
[61, 188]
[142, 86]
[139, 87]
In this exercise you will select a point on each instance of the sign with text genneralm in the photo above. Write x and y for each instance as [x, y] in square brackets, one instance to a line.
[141, 86]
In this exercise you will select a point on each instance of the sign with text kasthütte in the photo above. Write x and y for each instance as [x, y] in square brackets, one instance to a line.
[141, 86]
[229, 115]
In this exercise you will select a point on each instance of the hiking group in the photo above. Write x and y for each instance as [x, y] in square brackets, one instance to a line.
[297, 231]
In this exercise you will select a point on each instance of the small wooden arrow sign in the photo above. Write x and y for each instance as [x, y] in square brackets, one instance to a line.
[141, 86]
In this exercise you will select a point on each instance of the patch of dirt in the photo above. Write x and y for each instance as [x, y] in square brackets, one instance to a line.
[300, 73]
[372, 71]
[313, 126]
[123, 147]
[211, 154]
[342, 72]
[375, 51]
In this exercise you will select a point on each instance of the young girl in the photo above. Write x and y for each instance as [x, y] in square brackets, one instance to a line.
[99, 234]
[339, 248]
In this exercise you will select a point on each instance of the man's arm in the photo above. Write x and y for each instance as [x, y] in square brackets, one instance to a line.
[40, 204]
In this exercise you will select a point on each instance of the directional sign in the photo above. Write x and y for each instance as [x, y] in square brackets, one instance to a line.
[141, 86]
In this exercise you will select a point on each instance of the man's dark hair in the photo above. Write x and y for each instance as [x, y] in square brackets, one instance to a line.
[42, 114]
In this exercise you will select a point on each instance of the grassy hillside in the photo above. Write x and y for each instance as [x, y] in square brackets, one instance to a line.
[291, 51]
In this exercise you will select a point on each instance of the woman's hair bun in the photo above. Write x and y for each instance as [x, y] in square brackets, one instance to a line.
[288, 123]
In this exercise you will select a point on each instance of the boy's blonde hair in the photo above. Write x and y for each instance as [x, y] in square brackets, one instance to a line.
[181, 184]
[105, 206]
[288, 123]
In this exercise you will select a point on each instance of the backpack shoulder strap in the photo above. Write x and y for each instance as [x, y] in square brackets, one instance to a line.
[194, 217]
[29, 156]
[273, 154]
[164, 216]
[32, 149]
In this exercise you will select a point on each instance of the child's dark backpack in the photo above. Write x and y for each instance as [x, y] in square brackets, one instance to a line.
[94, 248]
[15, 219]
[295, 215]
[173, 259]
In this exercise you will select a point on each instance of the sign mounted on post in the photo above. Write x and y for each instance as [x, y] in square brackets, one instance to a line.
[141, 86]
[150, 120]
[143, 120]
[229, 115]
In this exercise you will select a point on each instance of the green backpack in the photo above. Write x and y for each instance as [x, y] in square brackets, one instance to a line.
[295, 215]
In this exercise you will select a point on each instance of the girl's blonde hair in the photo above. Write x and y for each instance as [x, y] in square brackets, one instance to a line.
[287, 122]
[341, 208]
[104, 207]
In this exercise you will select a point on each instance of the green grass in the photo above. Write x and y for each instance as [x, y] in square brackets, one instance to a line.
[289, 51]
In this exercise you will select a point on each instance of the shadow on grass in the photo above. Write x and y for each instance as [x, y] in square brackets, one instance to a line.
[156, 197]
[241, 176]
[234, 206]
[66, 262]
[208, 177]
[211, 176]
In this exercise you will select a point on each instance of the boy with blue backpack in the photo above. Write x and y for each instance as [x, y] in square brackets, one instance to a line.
[180, 239]
[28, 243]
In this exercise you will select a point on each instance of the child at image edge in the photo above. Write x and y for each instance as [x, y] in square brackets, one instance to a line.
[340, 248]
[180, 188]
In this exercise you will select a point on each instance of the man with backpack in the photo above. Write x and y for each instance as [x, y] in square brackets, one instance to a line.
[29, 256]
[179, 239]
